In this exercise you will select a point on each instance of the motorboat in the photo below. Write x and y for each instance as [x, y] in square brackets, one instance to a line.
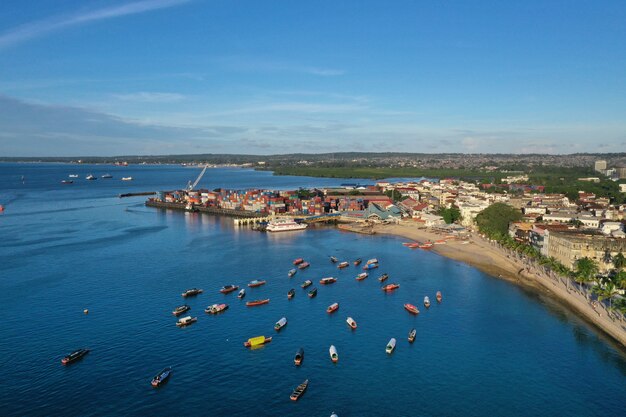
[411, 308]
[299, 390]
[73, 175]
[162, 377]
[370, 266]
[383, 277]
[280, 324]
[343, 265]
[426, 302]
[362, 276]
[74, 356]
[256, 283]
[192, 292]
[390, 287]
[127, 178]
[334, 259]
[257, 341]
[67, 182]
[91, 177]
[391, 345]
[106, 176]
[371, 261]
[412, 334]
[291, 293]
[229, 288]
[312, 293]
[186, 321]
[328, 280]
[351, 323]
[304, 265]
[306, 283]
[292, 272]
[257, 302]
[299, 357]
[333, 354]
[242, 293]
[216, 308]
[298, 261]
[438, 296]
[181, 309]
[358, 261]
[332, 308]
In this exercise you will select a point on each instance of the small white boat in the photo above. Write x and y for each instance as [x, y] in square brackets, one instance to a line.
[351, 323]
[73, 176]
[334, 414]
[391, 346]
[333, 354]
[242, 293]
[372, 261]
[280, 324]
[127, 178]
[426, 302]
[185, 321]
[90, 177]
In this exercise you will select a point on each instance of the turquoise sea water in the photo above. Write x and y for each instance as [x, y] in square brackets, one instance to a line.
[491, 348]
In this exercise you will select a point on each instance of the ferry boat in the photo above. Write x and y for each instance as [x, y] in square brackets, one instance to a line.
[257, 302]
[304, 265]
[328, 280]
[391, 345]
[390, 287]
[370, 266]
[383, 277]
[181, 309]
[74, 356]
[371, 261]
[292, 272]
[343, 265]
[298, 261]
[426, 302]
[127, 178]
[412, 334]
[291, 293]
[280, 324]
[351, 323]
[333, 354]
[332, 308]
[299, 390]
[334, 259]
[411, 308]
[312, 293]
[162, 377]
[362, 276]
[358, 261]
[306, 283]
[284, 225]
[438, 296]
[242, 293]
[191, 292]
[106, 176]
[73, 175]
[216, 308]
[256, 283]
[299, 357]
[67, 182]
[229, 288]
[186, 321]
[257, 341]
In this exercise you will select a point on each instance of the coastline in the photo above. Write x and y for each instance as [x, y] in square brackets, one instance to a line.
[489, 258]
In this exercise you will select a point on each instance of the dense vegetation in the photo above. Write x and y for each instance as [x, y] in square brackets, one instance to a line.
[450, 215]
[494, 220]
[377, 173]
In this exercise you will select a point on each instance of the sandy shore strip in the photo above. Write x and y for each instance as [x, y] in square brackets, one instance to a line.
[490, 258]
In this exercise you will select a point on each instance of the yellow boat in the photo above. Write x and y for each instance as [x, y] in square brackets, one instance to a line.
[257, 341]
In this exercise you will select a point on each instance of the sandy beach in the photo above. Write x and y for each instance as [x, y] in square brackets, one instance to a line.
[491, 259]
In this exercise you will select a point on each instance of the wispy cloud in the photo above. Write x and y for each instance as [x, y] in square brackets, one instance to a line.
[42, 27]
[150, 97]
[241, 63]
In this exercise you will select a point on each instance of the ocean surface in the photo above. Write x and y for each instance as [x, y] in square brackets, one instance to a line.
[490, 348]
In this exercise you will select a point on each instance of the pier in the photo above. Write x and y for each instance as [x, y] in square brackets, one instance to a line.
[202, 209]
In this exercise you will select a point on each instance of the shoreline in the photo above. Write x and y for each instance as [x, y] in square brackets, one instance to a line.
[490, 259]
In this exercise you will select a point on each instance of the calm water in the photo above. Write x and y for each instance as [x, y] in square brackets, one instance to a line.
[490, 348]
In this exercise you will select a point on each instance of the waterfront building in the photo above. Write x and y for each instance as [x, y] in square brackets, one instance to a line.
[569, 246]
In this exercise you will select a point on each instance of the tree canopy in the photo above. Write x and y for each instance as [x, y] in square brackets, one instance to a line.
[495, 219]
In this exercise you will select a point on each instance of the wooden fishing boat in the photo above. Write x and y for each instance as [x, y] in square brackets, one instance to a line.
[371, 261]
[306, 283]
[334, 259]
[332, 308]
[256, 283]
[370, 266]
[426, 245]
[304, 265]
[181, 309]
[74, 356]
[426, 302]
[351, 323]
[299, 357]
[412, 334]
[216, 308]
[343, 265]
[413, 246]
[242, 293]
[383, 277]
[257, 302]
[292, 272]
[358, 261]
[299, 390]
[362, 276]
[333, 354]
[229, 288]
[329, 280]
[162, 377]
[438, 296]
[186, 321]
[411, 308]
[191, 292]
[291, 293]
[280, 324]
[390, 287]
[312, 293]
[257, 341]
[390, 346]
[298, 261]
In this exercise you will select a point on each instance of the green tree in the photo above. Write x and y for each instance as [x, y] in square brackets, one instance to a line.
[394, 195]
[450, 215]
[607, 293]
[494, 220]
[586, 270]
[619, 261]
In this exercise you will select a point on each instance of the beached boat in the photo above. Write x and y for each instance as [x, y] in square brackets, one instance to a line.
[390, 287]
[328, 280]
[291, 293]
[332, 308]
[426, 245]
[391, 345]
[299, 390]
[91, 177]
[383, 277]
[333, 354]
[127, 178]
[299, 357]
[440, 242]
[334, 259]
[306, 283]
[370, 266]
[256, 283]
[257, 302]
[408, 244]
[362, 276]
[343, 264]
[292, 272]
[257, 341]
[312, 293]
[411, 308]
[413, 246]
[351, 323]
[304, 265]
[438, 296]
[229, 288]
[162, 377]
[412, 334]
[216, 308]
[191, 292]
[181, 309]
[358, 261]
[67, 182]
[371, 261]
[74, 356]
[242, 293]
[298, 261]
[426, 302]
[186, 321]
[280, 324]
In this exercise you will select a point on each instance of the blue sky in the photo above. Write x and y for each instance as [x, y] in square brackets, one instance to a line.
[228, 76]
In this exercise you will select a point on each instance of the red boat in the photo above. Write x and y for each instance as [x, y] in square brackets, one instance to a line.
[426, 245]
[390, 287]
[438, 296]
[298, 261]
[411, 308]
[329, 280]
[358, 262]
[332, 308]
[411, 245]
[304, 265]
[229, 288]
[256, 283]
[257, 302]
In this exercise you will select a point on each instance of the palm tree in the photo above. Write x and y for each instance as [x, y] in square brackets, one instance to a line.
[586, 270]
[619, 261]
[608, 292]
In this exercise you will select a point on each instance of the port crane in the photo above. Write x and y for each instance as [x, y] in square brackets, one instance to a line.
[191, 186]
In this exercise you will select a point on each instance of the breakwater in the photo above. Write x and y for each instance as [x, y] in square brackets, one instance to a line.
[203, 209]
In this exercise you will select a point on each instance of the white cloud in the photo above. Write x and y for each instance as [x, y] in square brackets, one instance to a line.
[150, 97]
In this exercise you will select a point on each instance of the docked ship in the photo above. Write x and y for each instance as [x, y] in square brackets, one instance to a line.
[284, 225]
